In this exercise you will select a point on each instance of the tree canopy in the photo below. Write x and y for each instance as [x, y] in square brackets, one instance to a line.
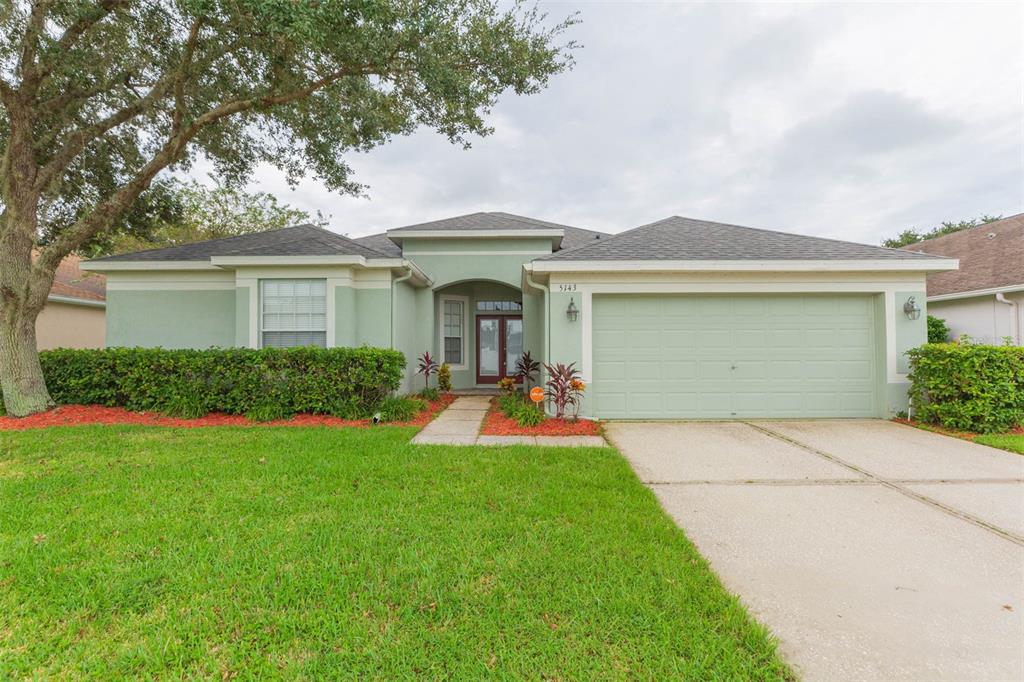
[912, 235]
[193, 212]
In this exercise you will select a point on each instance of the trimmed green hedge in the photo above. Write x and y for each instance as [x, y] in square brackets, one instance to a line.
[968, 387]
[269, 383]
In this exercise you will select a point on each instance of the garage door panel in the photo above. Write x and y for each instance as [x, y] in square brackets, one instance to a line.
[733, 356]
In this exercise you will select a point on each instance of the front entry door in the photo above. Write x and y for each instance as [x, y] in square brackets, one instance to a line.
[499, 343]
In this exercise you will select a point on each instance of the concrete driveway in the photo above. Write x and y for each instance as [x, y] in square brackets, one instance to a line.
[874, 551]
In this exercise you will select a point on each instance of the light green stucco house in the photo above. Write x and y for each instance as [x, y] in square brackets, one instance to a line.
[677, 319]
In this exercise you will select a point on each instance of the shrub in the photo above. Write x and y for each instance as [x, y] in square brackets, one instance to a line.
[528, 414]
[401, 408]
[968, 387]
[429, 394]
[938, 332]
[507, 385]
[444, 377]
[509, 403]
[264, 384]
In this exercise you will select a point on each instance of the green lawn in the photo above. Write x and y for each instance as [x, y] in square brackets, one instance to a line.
[320, 553]
[1014, 442]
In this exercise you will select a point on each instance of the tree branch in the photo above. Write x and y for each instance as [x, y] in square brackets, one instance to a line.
[80, 139]
[80, 27]
[182, 76]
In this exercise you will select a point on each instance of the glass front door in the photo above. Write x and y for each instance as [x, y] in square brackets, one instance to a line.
[499, 343]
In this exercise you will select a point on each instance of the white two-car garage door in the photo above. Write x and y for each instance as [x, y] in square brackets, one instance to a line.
[666, 356]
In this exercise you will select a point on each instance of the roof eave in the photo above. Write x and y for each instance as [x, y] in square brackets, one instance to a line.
[832, 265]
[122, 265]
[975, 293]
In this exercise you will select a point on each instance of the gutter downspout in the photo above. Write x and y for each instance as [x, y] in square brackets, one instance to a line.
[1001, 298]
[547, 314]
[394, 314]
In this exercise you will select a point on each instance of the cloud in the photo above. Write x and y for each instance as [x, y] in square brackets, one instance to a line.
[850, 121]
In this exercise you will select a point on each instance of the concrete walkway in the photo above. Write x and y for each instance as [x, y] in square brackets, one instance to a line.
[460, 424]
[874, 551]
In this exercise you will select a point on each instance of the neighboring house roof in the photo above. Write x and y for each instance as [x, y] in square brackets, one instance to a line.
[991, 257]
[300, 240]
[70, 282]
[685, 239]
[484, 221]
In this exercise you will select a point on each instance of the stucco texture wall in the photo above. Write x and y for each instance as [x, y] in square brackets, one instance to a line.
[171, 319]
[64, 325]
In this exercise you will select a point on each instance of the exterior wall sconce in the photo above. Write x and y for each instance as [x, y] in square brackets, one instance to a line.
[911, 309]
[572, 312]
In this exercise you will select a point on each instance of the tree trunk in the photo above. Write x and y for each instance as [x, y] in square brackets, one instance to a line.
[21, 376]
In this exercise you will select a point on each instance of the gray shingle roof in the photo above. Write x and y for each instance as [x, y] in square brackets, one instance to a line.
[572, 236]
[300, 240]
[678, 238]
[484, 221]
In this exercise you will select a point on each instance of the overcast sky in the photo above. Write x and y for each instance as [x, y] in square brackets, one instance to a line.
[845, 121]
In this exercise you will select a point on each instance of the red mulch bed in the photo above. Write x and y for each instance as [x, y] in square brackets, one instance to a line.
[497, 424]
[74, 415]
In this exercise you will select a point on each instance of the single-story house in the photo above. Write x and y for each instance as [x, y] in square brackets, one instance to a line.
[680, 318]
[984, 298]
[75, 312]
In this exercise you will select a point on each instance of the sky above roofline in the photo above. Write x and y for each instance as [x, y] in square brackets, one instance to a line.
[846, 121]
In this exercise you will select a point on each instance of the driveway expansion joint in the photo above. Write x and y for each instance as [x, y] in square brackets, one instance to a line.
[895, 485]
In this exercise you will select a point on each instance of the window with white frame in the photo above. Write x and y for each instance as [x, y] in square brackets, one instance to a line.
[293, 312]
[453, 319]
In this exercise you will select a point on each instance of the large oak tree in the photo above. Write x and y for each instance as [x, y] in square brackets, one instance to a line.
[99, 97]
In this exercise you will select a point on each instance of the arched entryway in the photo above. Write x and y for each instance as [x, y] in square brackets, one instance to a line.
[482, 327]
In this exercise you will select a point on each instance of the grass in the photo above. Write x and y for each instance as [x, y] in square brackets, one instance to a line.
[1014, 442]
[348, 554]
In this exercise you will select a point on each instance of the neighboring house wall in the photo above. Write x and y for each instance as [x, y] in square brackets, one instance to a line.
[983, 318]
[67, 325]
[573, 341]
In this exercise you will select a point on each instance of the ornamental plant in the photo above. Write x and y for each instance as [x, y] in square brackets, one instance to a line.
[564, 388]
[507, 385]
[526, 369]
[426, 367]
[938, 331]
[444, 377]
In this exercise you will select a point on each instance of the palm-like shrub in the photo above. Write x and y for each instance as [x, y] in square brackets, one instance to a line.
[427, 366]
[526, 369]
[564, 388]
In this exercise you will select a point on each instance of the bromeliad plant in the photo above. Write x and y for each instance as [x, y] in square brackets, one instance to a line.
[564, 388]
[526, 369]
[427, 366]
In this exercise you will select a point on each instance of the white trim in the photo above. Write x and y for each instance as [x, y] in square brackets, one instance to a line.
[71, 300]
[746, 265]
[977, 292]
[254, 313]
[465, 330]
[477, 253]
[136, 285]
[891, 359]
[473, 234]
[113, 266]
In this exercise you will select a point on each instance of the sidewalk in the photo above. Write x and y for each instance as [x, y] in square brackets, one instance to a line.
[460, 424]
